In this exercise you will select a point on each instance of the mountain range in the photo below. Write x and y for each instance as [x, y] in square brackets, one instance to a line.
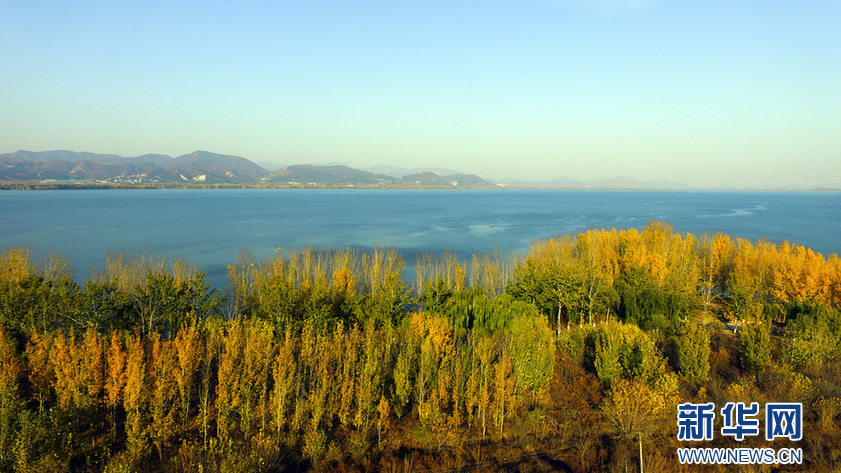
[203, 167]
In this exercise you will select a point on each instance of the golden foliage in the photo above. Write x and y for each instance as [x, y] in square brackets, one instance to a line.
[15, 265]
[632, 407]
[41, 373]
[188, 350]
[136, 397]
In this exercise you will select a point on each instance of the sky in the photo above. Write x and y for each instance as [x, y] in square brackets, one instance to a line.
[739, 93]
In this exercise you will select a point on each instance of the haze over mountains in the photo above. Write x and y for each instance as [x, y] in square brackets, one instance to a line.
[203, 167]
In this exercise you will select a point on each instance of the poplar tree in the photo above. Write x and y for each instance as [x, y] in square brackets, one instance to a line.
[503, 398]
[41, 372]
[211, 333]
[229, 386]
[188, 350]
[115, 378]
[164, 398]
[284, 375]
[10, 400]
[136, 397]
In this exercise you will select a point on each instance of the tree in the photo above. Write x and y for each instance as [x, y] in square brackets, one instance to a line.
[284, 376]
[188, 350]
[211, 337]
[157, 301]
[598, 261]
[443, 273]
[623, 350]
[749, 284]
[813, 333]
[369, 386]
[383, 419]
[136, 397]
[632, 407]
[387, 296]
[91, 363]
[404, 372]
[533, 356]
[163, 402]
[79, 370]
[10, 401]
[716, 259]
[504, 398]
[242, 389]
[572, 407]
[549, 279]
[102, 306]
[480, 382]
[242, 281]
[115, 378]
[755, 347]
[318, 360]
[343, 288]
[29, 300]
[41, 373]
[693, 353]
[433, 340]
[167, 303]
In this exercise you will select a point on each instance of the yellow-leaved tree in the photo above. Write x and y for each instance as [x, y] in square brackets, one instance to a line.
[632, 407]
[164, 399]
[136, 398]
[283, 373]
[188, 349]
[41, 373]
[115, 378]
[10, 401]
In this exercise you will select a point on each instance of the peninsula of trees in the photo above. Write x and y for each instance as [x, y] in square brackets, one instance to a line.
[572, 357]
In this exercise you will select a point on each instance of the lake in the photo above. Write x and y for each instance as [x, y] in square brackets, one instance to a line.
[209, 226]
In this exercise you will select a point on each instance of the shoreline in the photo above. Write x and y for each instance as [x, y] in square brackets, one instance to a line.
[61, 185]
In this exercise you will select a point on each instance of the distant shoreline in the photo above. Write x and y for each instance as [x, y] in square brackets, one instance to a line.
[59, 185]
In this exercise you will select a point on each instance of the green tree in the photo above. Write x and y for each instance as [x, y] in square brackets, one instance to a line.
[387, 295]
[103, 306]
[755, 347]
[29, 300]
[533, 355]
[693, 343]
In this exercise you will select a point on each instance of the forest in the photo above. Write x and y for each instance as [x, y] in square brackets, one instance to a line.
[570, 357]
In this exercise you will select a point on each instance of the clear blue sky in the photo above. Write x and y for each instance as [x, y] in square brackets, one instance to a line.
[715, 92]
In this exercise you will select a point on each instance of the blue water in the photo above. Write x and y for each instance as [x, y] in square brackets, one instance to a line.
[208, 227]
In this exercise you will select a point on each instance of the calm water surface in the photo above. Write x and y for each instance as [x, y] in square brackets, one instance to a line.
[208, 227]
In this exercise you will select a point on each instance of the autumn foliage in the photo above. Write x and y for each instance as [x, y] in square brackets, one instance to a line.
[326, 359]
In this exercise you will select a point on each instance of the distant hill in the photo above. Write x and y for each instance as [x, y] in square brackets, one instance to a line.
[203, 167]
[430, 179]
[197, 167]
[271, 166]
[402, 172]
[216, 168]
[308, 175]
